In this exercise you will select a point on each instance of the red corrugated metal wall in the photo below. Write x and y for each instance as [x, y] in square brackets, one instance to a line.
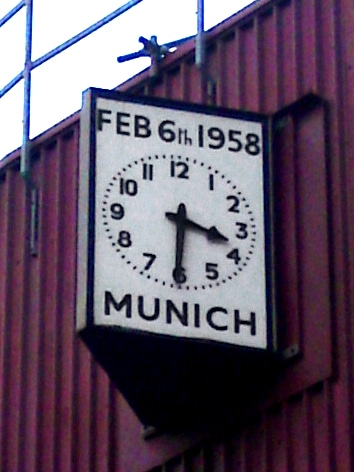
[58, 410]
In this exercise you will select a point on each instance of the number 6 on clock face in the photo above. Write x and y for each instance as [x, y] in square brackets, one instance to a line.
[179, 222]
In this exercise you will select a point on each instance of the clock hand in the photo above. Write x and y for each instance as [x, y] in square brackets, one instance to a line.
[178, 272]
[212, 233]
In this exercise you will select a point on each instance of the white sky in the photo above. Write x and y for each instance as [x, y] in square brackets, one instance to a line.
[57, 85]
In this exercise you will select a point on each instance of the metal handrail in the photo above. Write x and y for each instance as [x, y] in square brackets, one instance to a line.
[12, 13]
[26, 75]
[57, 50]
[31, 65]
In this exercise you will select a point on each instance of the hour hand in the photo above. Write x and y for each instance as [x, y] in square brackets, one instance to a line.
[212, 233]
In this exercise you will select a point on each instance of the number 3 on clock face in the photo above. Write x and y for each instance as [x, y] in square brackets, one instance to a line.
[179, 222]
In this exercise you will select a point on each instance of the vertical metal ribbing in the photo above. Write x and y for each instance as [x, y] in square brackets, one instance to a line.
[342, 245]
[277, 55]
[260, 99]
[5, 290]
[239, 70]
[65, 372]
[12, 377]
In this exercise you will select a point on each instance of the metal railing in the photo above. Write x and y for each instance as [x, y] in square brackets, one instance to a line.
[30, 65]
[25, 74]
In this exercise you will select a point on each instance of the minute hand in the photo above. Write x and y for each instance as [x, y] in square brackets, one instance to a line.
[212, 233]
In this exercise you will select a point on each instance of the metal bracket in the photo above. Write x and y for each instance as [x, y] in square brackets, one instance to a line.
[34, 219]
[149, 432]
[153, 50]
[291, 352]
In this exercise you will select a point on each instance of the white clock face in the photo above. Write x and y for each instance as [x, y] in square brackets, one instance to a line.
[172, 220]
[179, 222]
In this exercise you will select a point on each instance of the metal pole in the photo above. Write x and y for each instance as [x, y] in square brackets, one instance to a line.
[12, 13]
[199, 46]
[25, 164]
[25, 168]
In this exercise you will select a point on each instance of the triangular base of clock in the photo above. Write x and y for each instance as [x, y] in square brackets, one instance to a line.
[179, 384]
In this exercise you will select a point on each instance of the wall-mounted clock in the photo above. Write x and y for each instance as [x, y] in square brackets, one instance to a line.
[175, 220]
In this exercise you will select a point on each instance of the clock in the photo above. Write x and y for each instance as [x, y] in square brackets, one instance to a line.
[179, 222]
[173, 210]
[174, 279]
